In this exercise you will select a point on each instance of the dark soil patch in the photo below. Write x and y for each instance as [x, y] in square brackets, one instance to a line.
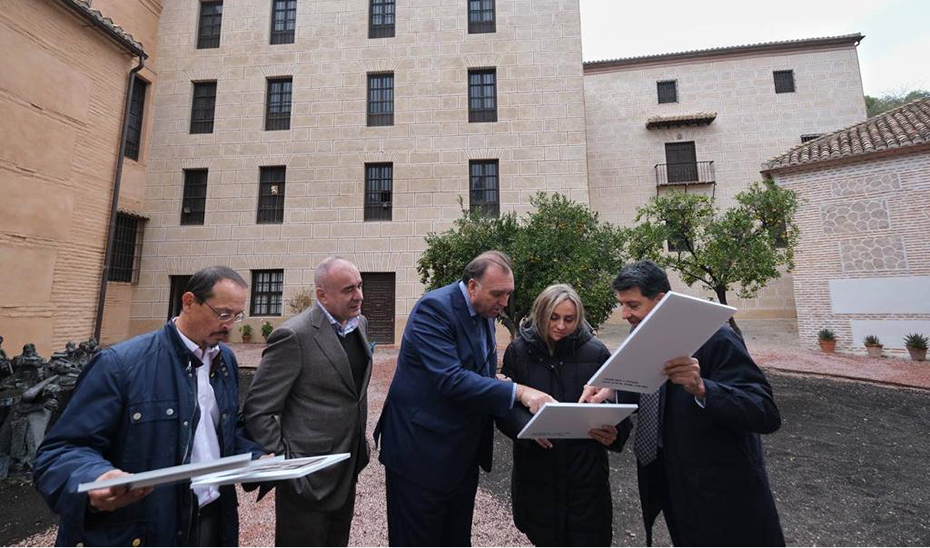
[847, 467]
[24, 512]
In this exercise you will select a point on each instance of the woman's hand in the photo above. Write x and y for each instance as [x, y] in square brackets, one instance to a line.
[606, 434]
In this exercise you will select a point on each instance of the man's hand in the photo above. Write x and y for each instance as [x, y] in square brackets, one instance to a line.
[502, 377]
[686, 371]
[544, 443]
[593, 394]
[606, 434]
[531, 398]
[111, 498]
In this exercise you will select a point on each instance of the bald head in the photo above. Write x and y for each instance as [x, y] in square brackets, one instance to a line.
[339, 288]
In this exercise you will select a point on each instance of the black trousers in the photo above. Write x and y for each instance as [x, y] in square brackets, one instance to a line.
[207, 527]
[298, 525]
[654, 480]
[418, 516]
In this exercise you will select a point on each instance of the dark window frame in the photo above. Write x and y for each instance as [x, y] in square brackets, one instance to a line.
[283, 29]
[380, 99]
[379, 191]
[272, 182]
[194, 201]
[126, 260]
[267, 292]
[278, 103]
[203, 107]
[484, 187]
[482, 16]
[136, 119]
[667, 91]
[784, 81]
[382, 18]
[210, 24]
[482, 95]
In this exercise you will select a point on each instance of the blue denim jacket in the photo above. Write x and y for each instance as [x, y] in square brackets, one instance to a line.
[135, 409]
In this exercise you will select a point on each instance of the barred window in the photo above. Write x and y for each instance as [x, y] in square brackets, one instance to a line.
[668, 91]
[195, 196]
[202, 107]
[127, 249]
[271, 195]
[267, 288]
[134, 127]
[484, 189]
[379, 183]
[481, 16]
[381, 99]
[482, 95]
[283, 21]
[381, 19]
[784, 81]
[278, 104]
[211, 21]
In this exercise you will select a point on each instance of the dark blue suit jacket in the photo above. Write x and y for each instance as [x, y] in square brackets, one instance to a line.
[437, 419]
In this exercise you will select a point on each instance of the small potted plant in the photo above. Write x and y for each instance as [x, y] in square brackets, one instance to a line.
[873, 345]
[267, 328]
[246, 331]
[916, 344]
[826, 338]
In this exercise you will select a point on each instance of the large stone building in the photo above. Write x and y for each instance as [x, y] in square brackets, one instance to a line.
[863, 264]
[64, 80]
[274, 133]
[704, 121]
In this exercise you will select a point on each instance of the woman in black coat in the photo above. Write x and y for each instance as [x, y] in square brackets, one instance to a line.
[560, 488]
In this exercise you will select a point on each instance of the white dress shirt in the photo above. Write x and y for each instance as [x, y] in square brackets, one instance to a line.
[206, 442]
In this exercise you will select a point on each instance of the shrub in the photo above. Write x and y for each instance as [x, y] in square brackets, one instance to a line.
[267, 328]
[871, 340]
[826, 335]
[916, 341]
[246, 330]
[301, 301]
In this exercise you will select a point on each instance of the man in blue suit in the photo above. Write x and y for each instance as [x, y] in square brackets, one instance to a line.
[436, 427]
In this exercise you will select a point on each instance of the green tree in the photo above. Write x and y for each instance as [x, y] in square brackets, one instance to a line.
[562, 241]
[741, 249]
[878, 105]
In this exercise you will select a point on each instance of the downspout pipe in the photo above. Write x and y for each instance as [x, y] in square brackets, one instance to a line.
[114, 202]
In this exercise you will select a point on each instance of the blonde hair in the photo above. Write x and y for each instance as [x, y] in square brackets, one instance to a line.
[547, 301]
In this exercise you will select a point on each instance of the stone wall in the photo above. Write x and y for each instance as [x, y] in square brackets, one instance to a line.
[62, 85]
[753, 124]
[539, 138]
[864, 257]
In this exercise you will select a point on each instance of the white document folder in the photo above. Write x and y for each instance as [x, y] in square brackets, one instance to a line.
[172, 474]
[573, 420]
[676, 327]
[271, 469]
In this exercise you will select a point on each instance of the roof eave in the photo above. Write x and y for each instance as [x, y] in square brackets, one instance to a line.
[773, 47]
[767, 172]
[110, 32]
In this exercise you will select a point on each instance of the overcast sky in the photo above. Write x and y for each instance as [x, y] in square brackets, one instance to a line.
[894, 55]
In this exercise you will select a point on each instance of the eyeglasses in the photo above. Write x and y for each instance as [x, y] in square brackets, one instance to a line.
[226, 316]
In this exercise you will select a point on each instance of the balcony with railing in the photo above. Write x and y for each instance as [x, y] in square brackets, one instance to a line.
[685, 174]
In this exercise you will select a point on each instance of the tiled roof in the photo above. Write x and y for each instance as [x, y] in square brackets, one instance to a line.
[82, 7]
[899, 128]
[762, 47]
[696, 119]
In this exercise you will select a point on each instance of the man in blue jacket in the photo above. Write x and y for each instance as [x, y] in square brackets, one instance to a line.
[165, 398]
[436, 427]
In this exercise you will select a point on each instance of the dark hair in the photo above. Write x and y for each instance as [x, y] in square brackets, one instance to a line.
[645, 275]
[201, 283]
[475, 269]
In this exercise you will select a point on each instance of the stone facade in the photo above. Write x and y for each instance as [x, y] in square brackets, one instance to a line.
[752, 124]
[864, 268]
[62, 85]
[539, 138]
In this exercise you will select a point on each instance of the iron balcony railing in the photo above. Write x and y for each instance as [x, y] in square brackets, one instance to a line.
[688, 173]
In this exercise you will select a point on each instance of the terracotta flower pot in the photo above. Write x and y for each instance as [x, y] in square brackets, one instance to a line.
[246, 338]
[827, 346]
[875, 351]
[918, 354]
